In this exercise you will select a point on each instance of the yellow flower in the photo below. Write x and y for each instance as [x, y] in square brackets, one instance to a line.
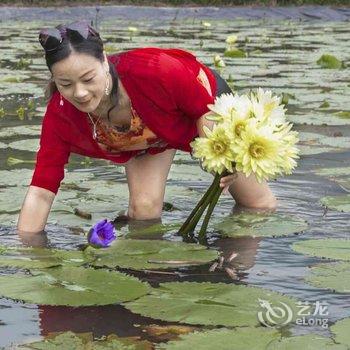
[222, 107]
[219, 62]
[132, 29]
[267, 108]
[231, 39]
[215, 150]
[257, 152]
[288, 151]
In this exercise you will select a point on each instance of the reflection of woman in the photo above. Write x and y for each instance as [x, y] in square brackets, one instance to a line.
[136, 107]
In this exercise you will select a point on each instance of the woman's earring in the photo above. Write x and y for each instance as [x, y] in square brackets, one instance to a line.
[107, 91]
[61, 100]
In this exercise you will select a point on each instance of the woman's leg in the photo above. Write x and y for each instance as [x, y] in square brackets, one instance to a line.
[146, 176]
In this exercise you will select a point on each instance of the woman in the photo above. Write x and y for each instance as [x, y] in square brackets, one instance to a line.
[136, 107]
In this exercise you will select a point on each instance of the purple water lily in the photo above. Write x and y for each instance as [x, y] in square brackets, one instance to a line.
[101, 234]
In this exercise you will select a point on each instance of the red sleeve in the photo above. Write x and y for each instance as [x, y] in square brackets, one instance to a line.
[185, 85]
[53, 153]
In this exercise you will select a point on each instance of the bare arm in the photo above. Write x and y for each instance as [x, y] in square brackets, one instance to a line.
[35, 210]
[246, 191]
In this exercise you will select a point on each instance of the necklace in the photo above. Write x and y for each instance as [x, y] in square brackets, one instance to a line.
[94, 133]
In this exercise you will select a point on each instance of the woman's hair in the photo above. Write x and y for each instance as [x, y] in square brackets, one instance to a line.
[92, 46]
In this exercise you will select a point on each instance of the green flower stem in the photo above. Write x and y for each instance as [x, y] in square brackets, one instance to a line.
[198, 206]
[209, 195]
[203, 230]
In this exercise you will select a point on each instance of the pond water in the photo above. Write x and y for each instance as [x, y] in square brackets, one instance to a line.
[281, 56]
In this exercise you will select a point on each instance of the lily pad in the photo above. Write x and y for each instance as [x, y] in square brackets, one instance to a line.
[31, 145]
[235, 53]
[83, 341]
[307, 341]
[22, 130]
[340, 203]
[343, 114]
[223, 339]
[329, 61]
[341, 331]
[35, 258]
[335, 276]
[339, 142]
[330, 248]
[151, 254]
[260, 225]
[333, 172]
[207, 303]
[74, 286]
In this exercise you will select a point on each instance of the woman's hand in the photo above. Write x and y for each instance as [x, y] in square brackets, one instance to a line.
[227, 181]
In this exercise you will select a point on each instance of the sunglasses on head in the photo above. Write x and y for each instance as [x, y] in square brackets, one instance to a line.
[51, 38]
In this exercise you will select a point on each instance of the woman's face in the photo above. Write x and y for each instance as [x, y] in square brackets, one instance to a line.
[81, 79]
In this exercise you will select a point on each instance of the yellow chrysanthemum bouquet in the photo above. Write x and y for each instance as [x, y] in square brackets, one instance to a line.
[250, 135]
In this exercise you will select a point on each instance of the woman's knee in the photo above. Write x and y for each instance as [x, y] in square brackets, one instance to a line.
[267, 202]
[145, 208]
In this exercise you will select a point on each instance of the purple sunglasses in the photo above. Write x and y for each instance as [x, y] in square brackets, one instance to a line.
[51, 38]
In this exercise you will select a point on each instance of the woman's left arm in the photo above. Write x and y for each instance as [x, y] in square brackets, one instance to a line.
[246, 191]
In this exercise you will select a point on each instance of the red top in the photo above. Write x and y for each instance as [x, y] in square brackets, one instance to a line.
[167, 89]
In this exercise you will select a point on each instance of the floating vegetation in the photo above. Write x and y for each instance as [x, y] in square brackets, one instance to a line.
[260, 225]
[151, 254]
[208, 304]
[330, 248]
[334, 276]
[73, 286]
[330, 62]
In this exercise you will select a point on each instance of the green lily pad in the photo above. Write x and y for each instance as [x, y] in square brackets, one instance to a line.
[235, 53]
[151, 254]
[333, 172]
[36, 258]
[31, 145]
[15, 177]
[343, 114]
[329, 61]
[74, 286]
[223, 339]
[306, 150]
[260, 225]
[71, 341]
[211, 304]
[308, 341]
[341, 331]
[22, 130]
[339, 142]
[340, 203]
[330, 248]
[335, 276]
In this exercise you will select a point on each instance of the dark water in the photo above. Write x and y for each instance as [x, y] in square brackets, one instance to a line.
[265, 262]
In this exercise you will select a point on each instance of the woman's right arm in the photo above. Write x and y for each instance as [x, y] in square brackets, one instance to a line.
[35, 209]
